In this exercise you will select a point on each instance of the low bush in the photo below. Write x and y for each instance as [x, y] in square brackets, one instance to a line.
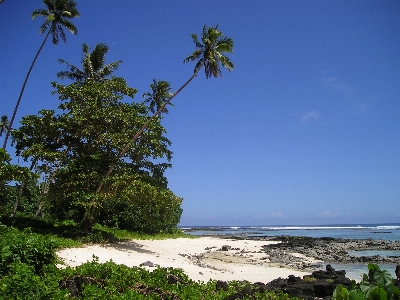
[377, 285]
[25, 247]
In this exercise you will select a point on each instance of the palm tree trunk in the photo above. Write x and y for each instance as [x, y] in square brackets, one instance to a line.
[88, 213]
[22, 91]
[21, 188]
[46, 190]
[16, 203]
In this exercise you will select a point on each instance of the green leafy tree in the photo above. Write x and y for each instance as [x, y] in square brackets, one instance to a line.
[208, 54]
[57, 14]
[9, 173]
[92, 65]
[74, 149]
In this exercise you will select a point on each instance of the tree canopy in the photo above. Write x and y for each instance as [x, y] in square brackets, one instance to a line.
[74, 149]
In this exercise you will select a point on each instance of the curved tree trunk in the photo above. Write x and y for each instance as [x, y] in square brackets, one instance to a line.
[87, 217]
[22, 91]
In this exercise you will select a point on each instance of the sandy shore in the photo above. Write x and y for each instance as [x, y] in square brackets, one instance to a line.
[201, 259]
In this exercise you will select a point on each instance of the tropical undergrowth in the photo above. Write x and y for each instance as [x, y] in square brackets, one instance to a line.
[376, 285]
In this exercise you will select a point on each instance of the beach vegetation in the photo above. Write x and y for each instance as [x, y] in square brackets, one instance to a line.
[309, 278]
[29, 266]
[376, 285]
[58, 14]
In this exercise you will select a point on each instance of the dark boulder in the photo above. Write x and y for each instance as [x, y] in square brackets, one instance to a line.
[320, 284]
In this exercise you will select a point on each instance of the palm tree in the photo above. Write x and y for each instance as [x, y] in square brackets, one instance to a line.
[210, 55]
[57, 16]
[160, 94]
[92, 63]
[3, 124]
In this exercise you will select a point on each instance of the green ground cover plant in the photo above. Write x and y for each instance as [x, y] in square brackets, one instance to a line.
[376, 285]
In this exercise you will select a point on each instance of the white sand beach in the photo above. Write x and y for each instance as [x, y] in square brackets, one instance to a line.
[201, 259]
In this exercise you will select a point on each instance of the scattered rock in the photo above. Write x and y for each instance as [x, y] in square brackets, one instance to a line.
[147, 264]
[221, 285]
[75, 284]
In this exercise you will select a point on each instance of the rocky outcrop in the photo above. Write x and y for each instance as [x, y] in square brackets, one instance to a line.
[330, 250]
[320, 284]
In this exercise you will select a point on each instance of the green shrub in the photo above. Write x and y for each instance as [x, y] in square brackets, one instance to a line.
[377, 285]
[22, 282]
[25, 247]
[143, 208]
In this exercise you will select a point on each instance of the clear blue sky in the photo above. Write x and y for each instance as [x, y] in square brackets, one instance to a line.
[305, 130]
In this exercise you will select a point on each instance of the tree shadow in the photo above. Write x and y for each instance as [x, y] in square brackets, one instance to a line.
[129, 246]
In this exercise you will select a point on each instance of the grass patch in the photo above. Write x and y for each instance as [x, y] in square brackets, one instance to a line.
[69, 234]
[122, 234]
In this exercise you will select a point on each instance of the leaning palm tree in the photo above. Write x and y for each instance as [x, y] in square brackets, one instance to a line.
[92, 65]
[57, 16]
[160, 93]
[210, 55]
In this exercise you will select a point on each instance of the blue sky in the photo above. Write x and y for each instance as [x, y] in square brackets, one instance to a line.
[305, 130]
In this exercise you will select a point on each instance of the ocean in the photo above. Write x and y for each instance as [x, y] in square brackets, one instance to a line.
[390, 231]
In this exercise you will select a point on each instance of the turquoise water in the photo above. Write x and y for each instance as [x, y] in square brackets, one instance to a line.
[382, 253]
[354, 271]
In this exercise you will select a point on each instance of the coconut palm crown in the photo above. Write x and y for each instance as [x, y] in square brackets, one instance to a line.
[210, 53]
[57, 16]
[160, 93]
[92, 65]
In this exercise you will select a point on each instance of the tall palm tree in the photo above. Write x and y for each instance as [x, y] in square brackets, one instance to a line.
[92, 65]
[160, 94]
[210, 55]
[57, 16]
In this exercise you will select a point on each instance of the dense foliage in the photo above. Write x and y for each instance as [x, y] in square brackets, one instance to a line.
[73, 150]
[377, 285]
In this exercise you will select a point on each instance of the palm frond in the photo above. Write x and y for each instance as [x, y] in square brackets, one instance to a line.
[195, 55]
[69, 26]
[61, 33]
[39, 13]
